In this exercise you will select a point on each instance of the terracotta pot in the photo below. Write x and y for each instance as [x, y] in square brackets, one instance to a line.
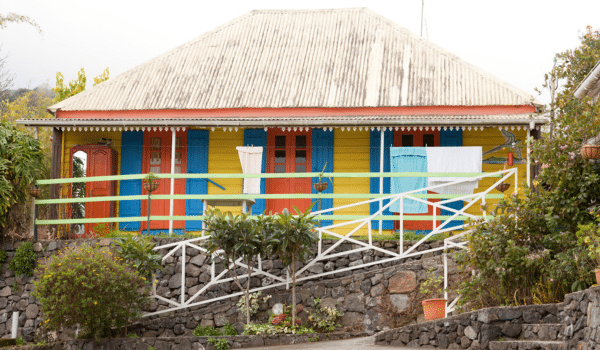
[151, 187]
[320, 186]
[434, 309]
[590, 151]
[35, 192]
[597, 271]
[502, 187]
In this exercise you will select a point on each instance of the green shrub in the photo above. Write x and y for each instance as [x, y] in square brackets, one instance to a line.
[206, 332]
[87, 286]
[324, 318]
[139, 252]
[24, 260]
[229, 330]
[219, 344]
[3, 256]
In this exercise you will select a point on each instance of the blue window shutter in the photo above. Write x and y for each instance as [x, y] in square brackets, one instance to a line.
[197, 163]
[322, 153]
[388, 141]
[131, 163]
[258, 138]
[452, 138]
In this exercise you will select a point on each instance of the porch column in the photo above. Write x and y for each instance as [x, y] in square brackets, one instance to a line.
[381, 178]
[55, 171]
[172, 179]
[531, 125]
[33, 232]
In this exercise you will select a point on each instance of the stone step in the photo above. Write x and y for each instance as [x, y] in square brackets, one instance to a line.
[528, 345]
[549, 331]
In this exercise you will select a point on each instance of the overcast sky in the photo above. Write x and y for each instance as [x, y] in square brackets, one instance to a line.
[514, 40]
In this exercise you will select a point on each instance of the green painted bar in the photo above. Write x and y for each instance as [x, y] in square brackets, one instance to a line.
[266, 176]
[245, 196]
[181, 218]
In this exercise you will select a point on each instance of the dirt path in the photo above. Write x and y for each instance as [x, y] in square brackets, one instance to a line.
[348, 344]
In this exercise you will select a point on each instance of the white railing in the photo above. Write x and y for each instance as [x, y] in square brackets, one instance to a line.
[329, 252]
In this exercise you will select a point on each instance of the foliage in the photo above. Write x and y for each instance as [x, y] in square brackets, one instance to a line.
[530, 253]
[236, 237]
[269, 329]
[206, 332]
[21, 163]
[292, 238]
[324, 318]
[219, 344]
[254, 302]
[20, 341]
[24, 260]
[322, 172]
[433, 286]
[139, 252]
[76, 86]
[78, 190]
[151, 177]
[3, 256]
[588, 239]
[89, 287]
[12, 17]
[229, 330]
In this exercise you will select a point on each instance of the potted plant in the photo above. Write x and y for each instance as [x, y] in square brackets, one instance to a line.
[588, 238]
[321, 186]
[151, 182]
[434, 306]
[503, 186]
[590, 151]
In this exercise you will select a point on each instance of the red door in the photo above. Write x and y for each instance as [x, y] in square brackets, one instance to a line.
[288, 152]
[418, 138]
[157, 159]
[100, 161]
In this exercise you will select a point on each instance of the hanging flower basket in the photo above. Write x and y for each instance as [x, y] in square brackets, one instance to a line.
[320, 186]
[434, 309]
[151, 187]
[590, 151]
[502, 187]
[35, 192]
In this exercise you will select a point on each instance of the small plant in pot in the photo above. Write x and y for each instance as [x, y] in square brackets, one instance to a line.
[151, 182]
[434, 305]
[321, 186]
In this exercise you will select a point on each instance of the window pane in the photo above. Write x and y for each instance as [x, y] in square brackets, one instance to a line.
[279, 141]
[155, 158]
[301, 141]
[155, 169]
[280, 156]
[407, 141]
[177, 170]
[178, 143]
[428, 140]
[177, 157]
[300, 156]
[155, 143]
[300, 168]
[280, 168]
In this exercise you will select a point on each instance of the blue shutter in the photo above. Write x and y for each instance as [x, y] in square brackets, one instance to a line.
[258, 138]
[131, 163]
[197, 163]
[451, 138]
[322, 153]
[388, 141]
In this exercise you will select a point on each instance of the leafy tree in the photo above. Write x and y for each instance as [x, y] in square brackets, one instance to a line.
[529, 252]
[12, 17]
[21, 163]
[139, 252]
[293, 236]
[75, 86]
[237, 237]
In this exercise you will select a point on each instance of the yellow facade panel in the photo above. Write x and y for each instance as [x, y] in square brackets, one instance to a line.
[223, 159]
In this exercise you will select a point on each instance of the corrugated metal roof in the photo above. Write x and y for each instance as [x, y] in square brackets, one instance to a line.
[412, 120]
[303, 58]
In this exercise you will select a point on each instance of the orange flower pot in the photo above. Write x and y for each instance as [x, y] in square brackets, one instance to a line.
[597, 271]
[590, 151]
[434, 309]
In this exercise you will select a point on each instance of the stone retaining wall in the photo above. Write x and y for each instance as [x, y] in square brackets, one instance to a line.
[576, 321]
[358, 292]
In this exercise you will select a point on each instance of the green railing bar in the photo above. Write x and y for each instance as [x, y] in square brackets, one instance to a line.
[254, 176]
[246, 196]
[200, 217]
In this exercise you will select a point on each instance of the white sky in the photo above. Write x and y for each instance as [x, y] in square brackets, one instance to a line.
[514, 40]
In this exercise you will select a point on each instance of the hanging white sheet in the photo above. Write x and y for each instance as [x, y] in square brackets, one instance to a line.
[251, 159]
[453, 160]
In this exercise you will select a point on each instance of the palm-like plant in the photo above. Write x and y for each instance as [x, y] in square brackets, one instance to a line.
[291, 239]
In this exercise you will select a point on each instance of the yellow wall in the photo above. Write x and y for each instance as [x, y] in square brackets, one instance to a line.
[223, 159]
[489, 138]
[351, 154]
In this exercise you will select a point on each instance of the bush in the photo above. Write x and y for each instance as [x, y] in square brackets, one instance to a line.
[87, 286]
[3, 256]
[324, 318]
[139, 252]
[24, 260]
[206, 332]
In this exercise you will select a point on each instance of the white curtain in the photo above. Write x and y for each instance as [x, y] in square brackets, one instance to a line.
[251, 159]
